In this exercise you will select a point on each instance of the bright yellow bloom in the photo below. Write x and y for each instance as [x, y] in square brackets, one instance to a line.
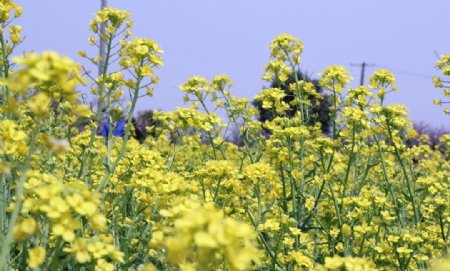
[111, 16]
[148, 267]
[7, 7]
[80, 249]
[12, 139]
[24, 228]
[286, 46]
[196, 86]
[40, 104]
[57, 75]
[335, 78]
[103, 265]
[348, 263]
[211, 232]
[15, 33]
[301, 260]
[404, 250]
[36, 257]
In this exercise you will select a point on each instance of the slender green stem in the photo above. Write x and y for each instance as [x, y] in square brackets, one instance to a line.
[208, 133]
[5, 247]
[351, 158]
[126, 137]
[272, 255]
[53, 259]
[5, 69]
[405, 173]
[300, 106]
[336, 206]
[4, 199]
[386, 179]
[84, 169]
[234, 120]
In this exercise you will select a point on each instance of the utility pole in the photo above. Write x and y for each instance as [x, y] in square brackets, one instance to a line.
[363, 69]
[101, 65]
[102, 44]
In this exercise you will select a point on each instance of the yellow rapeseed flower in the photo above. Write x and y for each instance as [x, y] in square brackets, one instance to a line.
[36, 256]
[335, 78]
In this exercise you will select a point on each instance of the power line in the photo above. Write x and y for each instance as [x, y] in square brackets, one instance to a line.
[363, 65]
[410, 73]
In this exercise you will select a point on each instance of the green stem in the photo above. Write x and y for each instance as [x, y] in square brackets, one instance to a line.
[5, 69]
[5, 248]
[174, 153]
[351, 157]
[386, 179]
[55, 255]
[272, 255]
[208, 133]
[321, 189]
[126, 137]
[444, 236]
[243, 138]
[3, 205]
[300, 106]
[296, 209]
[405, 173]
[101, 99]
[336, 207]
[334, 114]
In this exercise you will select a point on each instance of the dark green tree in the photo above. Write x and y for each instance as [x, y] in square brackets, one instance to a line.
[145, 125]
[318, 112]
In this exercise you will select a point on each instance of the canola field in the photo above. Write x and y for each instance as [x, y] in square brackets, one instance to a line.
[287, 198]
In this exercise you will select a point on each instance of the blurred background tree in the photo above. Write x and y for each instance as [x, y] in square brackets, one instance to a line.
[145, 125]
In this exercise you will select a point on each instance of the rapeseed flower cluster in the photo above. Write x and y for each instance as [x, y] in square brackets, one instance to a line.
[287, 197]
[56, 75]
[443, 64]
[217, 239]
[8, 8]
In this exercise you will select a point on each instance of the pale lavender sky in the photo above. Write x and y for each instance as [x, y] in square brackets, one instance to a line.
[208, 37]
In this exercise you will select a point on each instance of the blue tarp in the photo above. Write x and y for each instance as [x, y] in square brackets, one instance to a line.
[119, 129]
